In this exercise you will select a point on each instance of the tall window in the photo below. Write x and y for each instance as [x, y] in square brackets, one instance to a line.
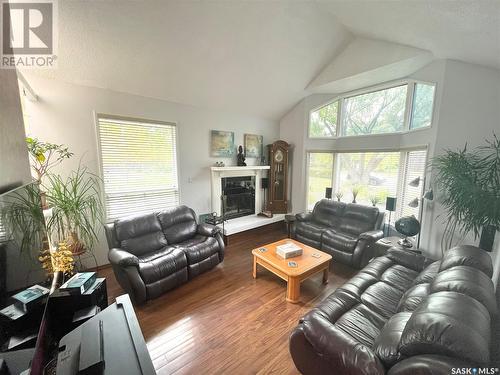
[382, 111]
[320, 176]
[139, 166]
[373, 176]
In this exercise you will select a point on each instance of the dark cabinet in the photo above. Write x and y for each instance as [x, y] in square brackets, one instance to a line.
[278, 177]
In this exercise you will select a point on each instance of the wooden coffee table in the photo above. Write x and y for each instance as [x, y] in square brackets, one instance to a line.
[307, 265]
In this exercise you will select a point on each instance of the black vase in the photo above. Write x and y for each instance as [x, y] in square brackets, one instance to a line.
[487, 237]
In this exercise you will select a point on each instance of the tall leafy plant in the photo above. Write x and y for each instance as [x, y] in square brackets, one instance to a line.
[44, 156]
[77, 209]
[469, 185]
[23, 215]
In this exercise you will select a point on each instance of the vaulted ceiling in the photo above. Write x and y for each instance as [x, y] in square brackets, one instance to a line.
[252, 57]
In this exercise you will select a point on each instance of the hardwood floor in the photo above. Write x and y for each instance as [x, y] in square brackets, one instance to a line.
[226, 322]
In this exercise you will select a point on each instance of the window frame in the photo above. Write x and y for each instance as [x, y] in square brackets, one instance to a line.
[100, 115]
[410, 94]
[404, 151]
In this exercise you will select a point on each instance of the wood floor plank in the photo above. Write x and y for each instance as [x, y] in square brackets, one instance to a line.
[225, 321]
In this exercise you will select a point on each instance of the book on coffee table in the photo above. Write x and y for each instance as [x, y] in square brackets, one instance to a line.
[288, 250]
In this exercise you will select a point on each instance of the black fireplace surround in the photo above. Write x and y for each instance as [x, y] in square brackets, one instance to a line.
[238, 196]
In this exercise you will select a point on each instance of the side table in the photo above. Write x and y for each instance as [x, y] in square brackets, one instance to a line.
[289, 220]
[384, 244]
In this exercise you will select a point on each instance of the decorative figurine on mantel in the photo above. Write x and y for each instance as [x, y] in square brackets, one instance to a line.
[241, 157]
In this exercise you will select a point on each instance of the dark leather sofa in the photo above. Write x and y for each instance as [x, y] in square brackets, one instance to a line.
[401, 316]
[345, 231]
[153, 253]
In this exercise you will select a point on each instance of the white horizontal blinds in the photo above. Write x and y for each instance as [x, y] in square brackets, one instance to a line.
[139, 166]
[414, 169]
[374, 175]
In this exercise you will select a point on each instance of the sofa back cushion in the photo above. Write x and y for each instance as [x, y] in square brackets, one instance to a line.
[140, 235]
[328, 212]
[467, 280]
[450, 324]
[428, 274]
[466, 255]
[358, 219]
[178, 224]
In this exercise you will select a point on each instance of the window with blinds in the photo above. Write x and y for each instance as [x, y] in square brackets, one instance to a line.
[372, 176]
[413, 183]
[139, 166]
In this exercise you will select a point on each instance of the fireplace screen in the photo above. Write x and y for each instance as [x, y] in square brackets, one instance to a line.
[238, 196]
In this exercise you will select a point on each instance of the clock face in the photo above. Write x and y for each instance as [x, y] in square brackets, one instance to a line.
[278, 157]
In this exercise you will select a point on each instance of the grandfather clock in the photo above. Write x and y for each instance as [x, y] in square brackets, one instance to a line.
[278, 177]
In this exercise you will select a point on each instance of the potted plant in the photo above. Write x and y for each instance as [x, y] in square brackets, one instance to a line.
[469, 182]
[355, 191]
[375, 199]
[77, 209]
[339, 194]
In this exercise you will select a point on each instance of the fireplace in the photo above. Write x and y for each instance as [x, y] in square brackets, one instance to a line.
[238, 196]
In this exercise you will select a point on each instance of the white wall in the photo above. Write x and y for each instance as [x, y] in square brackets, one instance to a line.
[469, 113]
[65, 114]
[14, 165]
[467, 109]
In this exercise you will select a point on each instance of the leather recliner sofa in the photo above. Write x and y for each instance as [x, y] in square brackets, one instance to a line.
[345, 231]
[151, 254]
[401, 316]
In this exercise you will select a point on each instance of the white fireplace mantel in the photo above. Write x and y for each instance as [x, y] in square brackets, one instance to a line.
[217, 173]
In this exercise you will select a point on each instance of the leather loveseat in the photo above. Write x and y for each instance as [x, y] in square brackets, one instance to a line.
[153, 253]
[401, 316]
[345, 231]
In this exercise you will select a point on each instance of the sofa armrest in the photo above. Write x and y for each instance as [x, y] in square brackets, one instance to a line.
[305, 216]
[428, 364]
[407, 258]
[372, 235]
[208, 230]
[318, 346]
[122, 258]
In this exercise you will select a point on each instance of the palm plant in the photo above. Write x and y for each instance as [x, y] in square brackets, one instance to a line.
[77, 209]
[469, 182]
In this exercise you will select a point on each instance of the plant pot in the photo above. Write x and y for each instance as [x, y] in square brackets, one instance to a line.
[487, 237]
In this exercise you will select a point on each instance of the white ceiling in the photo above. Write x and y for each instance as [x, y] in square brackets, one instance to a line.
[251, 57]
[467, 30]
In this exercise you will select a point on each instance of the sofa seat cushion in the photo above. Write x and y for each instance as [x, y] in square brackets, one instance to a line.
[161, 263]
[428, 274]
[199, 248]
[361, 323]
[310, 229]
[339, 241]
[382, 298]
[413, 297]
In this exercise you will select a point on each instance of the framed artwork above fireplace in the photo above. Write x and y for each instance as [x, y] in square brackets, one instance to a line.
[253, 145]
